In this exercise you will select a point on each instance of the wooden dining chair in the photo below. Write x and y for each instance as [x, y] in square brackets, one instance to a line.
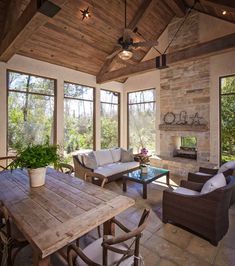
[98, 180]
[7, 165]
[11, 239]
[65, 168]
[111, 250]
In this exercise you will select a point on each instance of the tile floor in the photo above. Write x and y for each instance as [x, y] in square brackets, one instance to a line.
[163, 244]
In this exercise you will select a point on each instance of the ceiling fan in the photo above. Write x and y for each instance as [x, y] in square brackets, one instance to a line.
[126, 45]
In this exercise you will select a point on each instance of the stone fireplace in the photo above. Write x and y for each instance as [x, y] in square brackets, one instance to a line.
[184, 104]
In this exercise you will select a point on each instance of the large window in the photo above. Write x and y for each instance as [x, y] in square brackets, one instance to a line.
[227, 118]
[141, 120]
[78, 118]
[109, 104]
[30, 110]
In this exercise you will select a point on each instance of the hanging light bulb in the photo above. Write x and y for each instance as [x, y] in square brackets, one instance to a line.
[125, 55]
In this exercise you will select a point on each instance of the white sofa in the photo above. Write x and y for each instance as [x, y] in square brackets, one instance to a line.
[109, 164]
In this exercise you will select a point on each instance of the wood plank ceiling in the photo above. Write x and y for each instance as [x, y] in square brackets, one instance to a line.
[83, 45]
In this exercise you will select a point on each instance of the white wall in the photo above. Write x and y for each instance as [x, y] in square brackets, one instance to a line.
[220, 65]
[61, 74]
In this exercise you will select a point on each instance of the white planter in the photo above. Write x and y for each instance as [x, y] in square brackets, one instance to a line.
[37, 177]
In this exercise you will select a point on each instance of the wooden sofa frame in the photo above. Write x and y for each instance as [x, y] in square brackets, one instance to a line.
[80, 170]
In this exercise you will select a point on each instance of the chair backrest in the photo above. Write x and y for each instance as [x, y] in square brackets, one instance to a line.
[65, 168]
[79, 168]
[5, 216]
[223, 195]
[108, 244]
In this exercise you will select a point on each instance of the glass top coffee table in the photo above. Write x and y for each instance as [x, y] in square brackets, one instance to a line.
[144, 179]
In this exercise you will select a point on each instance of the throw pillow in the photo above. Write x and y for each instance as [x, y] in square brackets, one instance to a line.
[213, 183]
[127, 156]
[226, 166]
[89, 160]
[116, 154]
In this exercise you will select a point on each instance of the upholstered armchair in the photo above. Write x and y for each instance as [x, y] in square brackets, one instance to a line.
[206, 173]
[205, 214]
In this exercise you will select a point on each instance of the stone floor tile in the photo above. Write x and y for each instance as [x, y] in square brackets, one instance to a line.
[225, 257]
[170, 252]
[202, 248]
[176, 235]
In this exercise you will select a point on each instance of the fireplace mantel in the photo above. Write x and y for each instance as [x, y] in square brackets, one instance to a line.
[198, 128]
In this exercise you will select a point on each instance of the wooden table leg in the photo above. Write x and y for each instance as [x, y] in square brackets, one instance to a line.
[145, 191]
[109, 228]
[37, 261]
[168, 179]
[124, 184]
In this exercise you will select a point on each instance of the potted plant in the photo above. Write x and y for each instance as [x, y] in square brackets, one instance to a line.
[36, 158]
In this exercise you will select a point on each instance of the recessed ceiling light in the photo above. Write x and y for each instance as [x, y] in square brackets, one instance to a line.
[85, 13]
[224, 12]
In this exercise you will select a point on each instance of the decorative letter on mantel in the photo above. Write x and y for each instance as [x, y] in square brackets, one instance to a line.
[183, 122]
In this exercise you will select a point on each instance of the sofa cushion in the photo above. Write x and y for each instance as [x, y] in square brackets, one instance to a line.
[103, 157]
[227, 166]
[116, 154]
[213, 183]
[89, 160]
[186, 191]
[127, 155]
[115, 168]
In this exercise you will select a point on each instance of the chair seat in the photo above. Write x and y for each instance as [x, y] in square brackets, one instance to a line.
[186, 191]
[94, 252]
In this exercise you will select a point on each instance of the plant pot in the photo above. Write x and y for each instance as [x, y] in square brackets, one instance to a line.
[37, 177]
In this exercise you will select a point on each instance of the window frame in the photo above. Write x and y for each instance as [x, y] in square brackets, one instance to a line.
[119, 113]
[220, 112]
[94, 106]
[54, 126]
[128, 115]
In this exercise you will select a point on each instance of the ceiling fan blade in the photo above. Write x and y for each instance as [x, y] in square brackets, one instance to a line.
[145, 44]
[114, 53]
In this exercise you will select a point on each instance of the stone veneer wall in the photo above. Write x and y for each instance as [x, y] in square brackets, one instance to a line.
[185, 87]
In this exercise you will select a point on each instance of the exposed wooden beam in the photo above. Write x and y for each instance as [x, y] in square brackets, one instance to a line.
[209, 48]
[227, 5]
[34, 16]
[132, 25]
[177, 6]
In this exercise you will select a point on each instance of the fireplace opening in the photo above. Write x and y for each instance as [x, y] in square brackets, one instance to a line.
[186, 148]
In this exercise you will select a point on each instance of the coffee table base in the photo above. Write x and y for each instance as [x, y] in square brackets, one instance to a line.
[145, 193]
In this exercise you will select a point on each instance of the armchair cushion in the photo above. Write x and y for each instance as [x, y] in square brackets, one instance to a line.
[213, 183]
[201, 173]
[186, 191]
[227, 166]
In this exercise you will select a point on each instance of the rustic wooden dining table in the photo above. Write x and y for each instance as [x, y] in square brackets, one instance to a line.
[54, 215]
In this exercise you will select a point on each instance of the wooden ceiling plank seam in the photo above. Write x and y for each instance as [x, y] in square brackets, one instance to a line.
[222, 44]
[93, 37]
[60, 35]
[56, 62]
[61, 53]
